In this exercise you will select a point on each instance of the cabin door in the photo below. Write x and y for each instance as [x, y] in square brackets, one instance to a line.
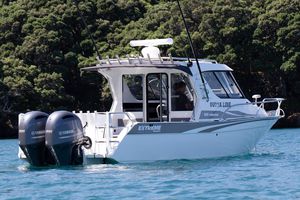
[157, 97]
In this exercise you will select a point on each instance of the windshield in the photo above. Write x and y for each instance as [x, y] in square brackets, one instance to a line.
[223, 84]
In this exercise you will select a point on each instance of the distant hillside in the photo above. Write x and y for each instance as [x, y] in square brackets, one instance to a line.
[43, 45]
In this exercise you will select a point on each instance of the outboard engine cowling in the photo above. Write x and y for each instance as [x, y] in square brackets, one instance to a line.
[64, 138]
[32, 138]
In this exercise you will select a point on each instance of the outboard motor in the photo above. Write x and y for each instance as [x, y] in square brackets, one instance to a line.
[64, 138]
[32, 138]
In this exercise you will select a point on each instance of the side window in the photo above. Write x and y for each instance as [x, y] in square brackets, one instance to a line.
[229, 84]
[182, 93]
[223, 84]
[157, 104]
[153, 82]
[132, 92]
[215, 84]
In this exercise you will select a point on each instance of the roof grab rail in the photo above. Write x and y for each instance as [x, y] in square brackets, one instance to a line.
[171, 58]
[149, 58]
[129, 61]
[108, 61]
[160, 59]
[118, 59]
[99, 60]
[139, 59]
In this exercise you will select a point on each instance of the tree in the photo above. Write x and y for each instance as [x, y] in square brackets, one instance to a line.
[43, 45]
[50, 91]
[18, 78]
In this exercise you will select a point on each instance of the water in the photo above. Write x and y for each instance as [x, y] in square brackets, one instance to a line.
[270, 172]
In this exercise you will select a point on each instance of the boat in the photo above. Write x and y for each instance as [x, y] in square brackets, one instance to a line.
[163, 108]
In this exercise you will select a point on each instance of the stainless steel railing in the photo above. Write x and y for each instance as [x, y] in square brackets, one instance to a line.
[260, 106]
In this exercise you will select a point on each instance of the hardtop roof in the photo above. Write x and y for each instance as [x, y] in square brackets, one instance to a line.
[182, 64]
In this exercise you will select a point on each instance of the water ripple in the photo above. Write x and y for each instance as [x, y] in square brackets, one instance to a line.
[270, 172]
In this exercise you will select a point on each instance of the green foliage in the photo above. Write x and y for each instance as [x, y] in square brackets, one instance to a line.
[43, 44]
[18, 79]
[277, 34]
[50, 90]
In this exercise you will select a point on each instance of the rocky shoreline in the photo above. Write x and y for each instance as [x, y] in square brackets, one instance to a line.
[291, 121]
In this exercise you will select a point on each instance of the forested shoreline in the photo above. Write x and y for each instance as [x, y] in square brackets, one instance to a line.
[43, 45]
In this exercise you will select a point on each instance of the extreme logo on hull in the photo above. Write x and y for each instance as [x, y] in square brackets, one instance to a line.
[153, 128]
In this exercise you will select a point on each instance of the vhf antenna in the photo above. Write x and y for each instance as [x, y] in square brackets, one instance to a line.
[89, 32]
[193, 50]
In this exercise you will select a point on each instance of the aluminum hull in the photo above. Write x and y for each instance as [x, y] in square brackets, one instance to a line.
[236, 137]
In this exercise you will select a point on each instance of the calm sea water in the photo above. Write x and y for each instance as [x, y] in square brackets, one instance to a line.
[272, 171]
